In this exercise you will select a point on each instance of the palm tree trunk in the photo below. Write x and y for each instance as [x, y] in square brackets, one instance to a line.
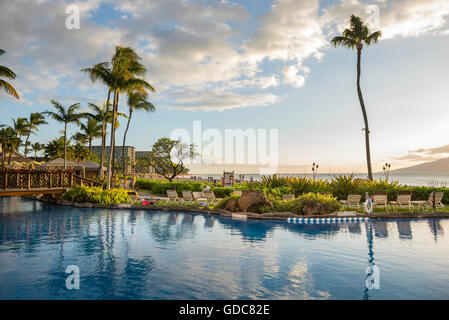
[124, 139]
[365, 117]
[111, 148]
[65, 146]
[103, 143]
[103, 138]
[90, 148]
[26, 145]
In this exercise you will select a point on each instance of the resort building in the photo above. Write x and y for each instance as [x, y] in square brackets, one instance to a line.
[130, 154]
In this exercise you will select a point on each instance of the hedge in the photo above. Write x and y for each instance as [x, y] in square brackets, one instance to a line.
[274, 187]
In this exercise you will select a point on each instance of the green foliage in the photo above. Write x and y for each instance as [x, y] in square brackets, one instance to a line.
[274, 187]
[222, 192]
[161, 155]
[222, 203]
[97, 195]
[324, 204]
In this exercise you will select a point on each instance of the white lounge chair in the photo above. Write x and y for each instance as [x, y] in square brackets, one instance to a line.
[172, 195]
[429, 203]
[353, 201]
[380, 199]
[210, 196]
[187, 195]
[198, 196]
[404, 200]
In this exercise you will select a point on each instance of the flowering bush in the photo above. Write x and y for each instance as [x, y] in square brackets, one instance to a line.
[97, 195]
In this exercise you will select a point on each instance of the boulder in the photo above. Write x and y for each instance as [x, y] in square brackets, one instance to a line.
[311, 208]
[253, 201]
[232, 205]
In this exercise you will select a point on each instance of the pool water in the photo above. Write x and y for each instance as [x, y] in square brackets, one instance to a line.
[133, 254]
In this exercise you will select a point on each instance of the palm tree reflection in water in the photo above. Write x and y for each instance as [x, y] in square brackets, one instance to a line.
[369, 279]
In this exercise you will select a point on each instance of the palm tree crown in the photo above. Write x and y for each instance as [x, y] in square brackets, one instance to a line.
[66, 116]
[357, 35]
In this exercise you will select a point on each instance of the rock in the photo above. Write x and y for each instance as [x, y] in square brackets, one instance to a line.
[253, 201]
[311, 208]
[232, 205]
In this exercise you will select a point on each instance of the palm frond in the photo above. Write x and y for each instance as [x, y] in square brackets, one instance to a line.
[6, 72]
[9, 89]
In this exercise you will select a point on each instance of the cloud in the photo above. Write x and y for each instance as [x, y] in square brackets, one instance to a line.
[424, 154]
[191, 46]
[396, 18]
[438, 150]
[291, 76]
[213, 100]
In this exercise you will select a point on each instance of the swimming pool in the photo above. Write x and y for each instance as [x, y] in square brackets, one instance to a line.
[132, 254]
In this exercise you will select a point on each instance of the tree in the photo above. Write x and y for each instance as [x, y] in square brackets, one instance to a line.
[356, 37]
[91, 130]
[55, 148]
[66, 116]
[20, 127]
[7, 73]
[36, 147]
[167, 157]
[136, 101]
[8, 142]
[79, 152]
[36, 119]
[119, 75]
[125, 68]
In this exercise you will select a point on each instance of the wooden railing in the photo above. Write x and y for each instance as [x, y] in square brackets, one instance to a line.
[42, 179]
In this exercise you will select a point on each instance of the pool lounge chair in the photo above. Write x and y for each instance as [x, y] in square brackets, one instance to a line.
[172, 195]
[429, 203]
[198, 196]
[353, 201]
[187, 195]
[288, 196]
[380, 199]
[403, 200]
[209, 195]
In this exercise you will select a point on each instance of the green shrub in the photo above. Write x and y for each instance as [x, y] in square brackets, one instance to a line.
[222, 203]
[274, 187]
[323, 203]
[97, 195]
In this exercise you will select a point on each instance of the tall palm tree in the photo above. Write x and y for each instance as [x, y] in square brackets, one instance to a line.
[7, 73]
[356, 37]
[136, 101]
[36, 147]
[125, 66]
[66, 116]
[36, 119]
[92, 129]
[20, 126]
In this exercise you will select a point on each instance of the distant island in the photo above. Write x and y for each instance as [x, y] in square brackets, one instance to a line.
[440, 166]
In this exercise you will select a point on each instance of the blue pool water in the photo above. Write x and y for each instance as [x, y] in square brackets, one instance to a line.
[166, 255]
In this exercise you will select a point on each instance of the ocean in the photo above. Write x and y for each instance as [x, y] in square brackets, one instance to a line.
[403, 179]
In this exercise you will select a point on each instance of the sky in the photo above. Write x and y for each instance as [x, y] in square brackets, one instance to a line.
[249, 65]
